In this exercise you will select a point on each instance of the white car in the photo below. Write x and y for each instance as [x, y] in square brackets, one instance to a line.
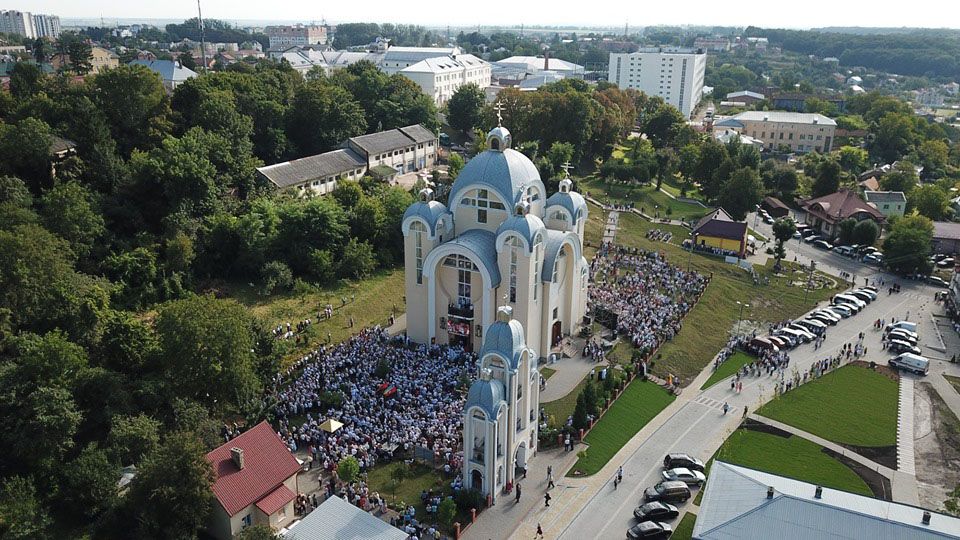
[691, 478]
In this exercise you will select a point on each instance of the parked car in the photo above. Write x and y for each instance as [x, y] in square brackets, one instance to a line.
[680, 459]
[768, 220]
[904, 335]
[800, 334]
[806, 231]
[823, 244]
[796, 234]
[829, 314]
[911, 362]
[873, 258]
[869, 291]
[760, 343]
[841, 310]
[870, 288]
[807, 334]
[832, 319]
[946, 263]
[862, 296]
[849, 299]
[814, 326]
[667, 491]
[846, 251]
[812, 238]
[691, 478]
[649, 530]
[780, 342]
[655, 511]
[938, 281]
[905, 325]
[897, 346]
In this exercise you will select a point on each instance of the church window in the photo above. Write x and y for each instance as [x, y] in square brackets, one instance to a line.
[480, 198]
[558, 215]
[537, 253]
[418, 230]
[463, 286]
[514, 244]
[481, 215]
[494, 143]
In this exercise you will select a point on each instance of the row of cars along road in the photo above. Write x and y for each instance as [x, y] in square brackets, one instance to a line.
[681, 472]
[815, 323]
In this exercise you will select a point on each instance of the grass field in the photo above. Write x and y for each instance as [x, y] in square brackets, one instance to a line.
[707, 327]
[728, 368]
[793, 457]
[369, 302]
[559, 410]
[546, 372]
[684, 529]
[852, 405]
[419, 478]
[645, 197]
[639, 403]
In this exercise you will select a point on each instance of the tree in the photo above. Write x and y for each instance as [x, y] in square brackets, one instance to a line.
[894, 137]
[852, 159]
[455, 164]
[952, 504]
[580, 413]
[80, 52]
[903, 178]
[321, 116]
[25, 147]
[187, 60]
[171, 497]
[785, 180]
[257, 532]
[22, 515]
[846, 228]
[206, 346]
[907, 247]
[783, 230]
[447, 511]
[89, 484]
[465, 107]
[934, 156]
[866, 232]
[827, 180]
[358, 260]
[275, 275]
[348, 469]
[741, 193]
[26, 80]
[930, 201]
[69, 211]
[659, 125]
[41, 50]
[135, 104]
[133, 437]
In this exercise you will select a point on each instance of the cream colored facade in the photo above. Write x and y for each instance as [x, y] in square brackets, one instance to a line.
[800, 132]
[224, 527]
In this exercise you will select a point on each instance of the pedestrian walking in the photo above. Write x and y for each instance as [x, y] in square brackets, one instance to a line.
[726, 407]
[546, 499]
[745, 410]
[620, 474]
[539, 531]
[550, 484]
[524, 471]
[518, 493]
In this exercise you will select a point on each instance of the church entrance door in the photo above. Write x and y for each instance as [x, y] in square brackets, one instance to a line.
[476, 480]
[555, 334]
[520, 459]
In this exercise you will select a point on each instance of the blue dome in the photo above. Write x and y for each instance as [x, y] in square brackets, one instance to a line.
[527, 226]
[429, 211]
[507, 173]
[486, 394]
[571, 200]
[505, 338]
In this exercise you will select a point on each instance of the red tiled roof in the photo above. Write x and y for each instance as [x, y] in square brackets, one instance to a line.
[838, 206]
[276, 500]
[267, 463]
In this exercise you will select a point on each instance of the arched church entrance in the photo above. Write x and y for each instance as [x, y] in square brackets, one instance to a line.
[555, 334]
[476, 480]
[520, 458]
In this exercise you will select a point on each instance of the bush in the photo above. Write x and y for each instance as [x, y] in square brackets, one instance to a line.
[469, 498]
[276, 275]
[358, 260]
[348, 469]
[447, 511]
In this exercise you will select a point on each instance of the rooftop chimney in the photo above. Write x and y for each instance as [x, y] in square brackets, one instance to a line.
[770, 492]
[546, 60]
[926, 517]
[818, 494]
[236, 454]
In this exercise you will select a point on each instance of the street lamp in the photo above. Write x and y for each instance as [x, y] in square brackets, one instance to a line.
[740, 317]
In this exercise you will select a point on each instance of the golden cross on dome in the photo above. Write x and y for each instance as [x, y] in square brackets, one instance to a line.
[499, 108]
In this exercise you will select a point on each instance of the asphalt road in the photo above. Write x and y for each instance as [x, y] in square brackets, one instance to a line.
[699, 427]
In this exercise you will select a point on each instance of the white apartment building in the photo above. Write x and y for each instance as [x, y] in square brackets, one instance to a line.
[284, 36]
[396, 59]
[440, 77]
[674, 74]
[800, 132]
[47, 26]
[20, 23]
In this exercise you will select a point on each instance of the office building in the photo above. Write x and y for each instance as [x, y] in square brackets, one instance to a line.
[799, 132]
[283, 36]
[676, 75]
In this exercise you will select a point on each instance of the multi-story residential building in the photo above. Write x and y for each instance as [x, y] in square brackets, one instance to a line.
[282, 36]
[396, 59]
[712, 44]
[47, 26]
[889, 203]
[674, 74]
[100, 59]
[800, 132]
[20, 23]
[440, 77]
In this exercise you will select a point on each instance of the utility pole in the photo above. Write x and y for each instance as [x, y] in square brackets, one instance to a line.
[813, 266]
[203, 46]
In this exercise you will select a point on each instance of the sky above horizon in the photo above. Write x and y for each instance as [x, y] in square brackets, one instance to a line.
[813, 13]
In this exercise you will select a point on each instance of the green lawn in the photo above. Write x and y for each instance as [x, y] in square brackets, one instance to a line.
[955, 381]
[645, 197]
[707, 327]
[419, 478]
[728, 368]
[639, 403]
[852, 405]
[684, 529]
[369, 302]
[793, 457]
[559, 410]
[546, 372]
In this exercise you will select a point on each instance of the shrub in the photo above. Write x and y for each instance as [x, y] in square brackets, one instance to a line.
[469, 498]
[276, 275]
[348, 469]
[447, 511]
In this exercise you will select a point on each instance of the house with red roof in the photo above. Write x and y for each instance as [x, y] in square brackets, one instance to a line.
[256, 482]
[825, 213]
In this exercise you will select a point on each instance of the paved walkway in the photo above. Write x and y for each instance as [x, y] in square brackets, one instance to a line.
[399, 325]
[570, 371]
[610, 228]
[905, 436]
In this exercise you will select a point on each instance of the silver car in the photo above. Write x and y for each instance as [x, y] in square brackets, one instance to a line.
[691, 478]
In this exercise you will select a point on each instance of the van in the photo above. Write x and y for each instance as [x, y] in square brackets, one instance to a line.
[862, 295]
[911, 362]
[906, 325]
[762, 344]
[846, 251]
[813, 325]
[849, 299]
[670, 491]
[801, 336]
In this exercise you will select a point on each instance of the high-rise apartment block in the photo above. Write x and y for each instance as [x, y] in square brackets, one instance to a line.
[674, 74]
[47, 26]
[24, 23]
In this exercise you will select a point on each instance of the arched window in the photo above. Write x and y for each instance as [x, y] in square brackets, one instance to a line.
[494, 143]
[481, 200]
[537, 255]
[559, 215]
[465, 269]
[419, 230]
[515, 247]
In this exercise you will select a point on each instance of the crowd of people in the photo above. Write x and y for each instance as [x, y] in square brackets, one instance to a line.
[389, 394]
[648, 296]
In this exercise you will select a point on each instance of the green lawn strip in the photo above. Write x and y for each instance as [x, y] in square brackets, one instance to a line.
[639, 403]
[369, 302]
[559, 410]
[546, 372]
[419, 478]
[793, 457]
[711, 321]
[647, 197]
[852, 405]
[684, 529]
[728, 368]
[955, 381]
[755, 234]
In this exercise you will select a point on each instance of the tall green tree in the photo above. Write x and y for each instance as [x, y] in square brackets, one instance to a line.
[741, 193]
[80, 52]
[68, 210]
[25, 147]
[136, 106]
[827, 180]
[19, 498]
[465, 108]
[866, 232]
[783, 230]
[321, 116]
[930, 201]
[903, 178]
[26, 80]
[908, 246]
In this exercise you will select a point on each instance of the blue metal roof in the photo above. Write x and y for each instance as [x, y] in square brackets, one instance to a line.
[488, 395]
[552, 243]
[484, 245]
[527, 226]
[507, 173]
[506, 340]
[429, 211]
[570, 200]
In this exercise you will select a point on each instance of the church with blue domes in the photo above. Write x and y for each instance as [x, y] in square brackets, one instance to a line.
[499, 271]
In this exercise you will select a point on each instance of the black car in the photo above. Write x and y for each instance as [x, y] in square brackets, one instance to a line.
[649, 529]
[655, 511]
[672, 461]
